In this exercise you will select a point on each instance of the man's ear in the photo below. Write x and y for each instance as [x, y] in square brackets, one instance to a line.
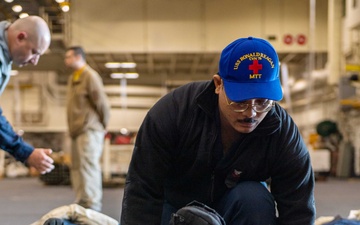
[21, 36]
[218, 83]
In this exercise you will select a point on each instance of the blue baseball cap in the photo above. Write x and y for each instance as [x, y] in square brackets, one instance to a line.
[249, 68]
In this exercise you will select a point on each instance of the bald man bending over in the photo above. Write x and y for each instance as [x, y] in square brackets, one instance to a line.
[22, 42]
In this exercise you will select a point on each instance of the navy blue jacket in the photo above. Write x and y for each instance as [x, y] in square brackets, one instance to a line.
[13, 143]
[173, 159]
[9, 140]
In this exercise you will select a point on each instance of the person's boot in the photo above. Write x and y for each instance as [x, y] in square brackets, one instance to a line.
[54, 221]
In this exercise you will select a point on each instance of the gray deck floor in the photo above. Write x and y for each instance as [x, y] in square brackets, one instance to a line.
[25, 200]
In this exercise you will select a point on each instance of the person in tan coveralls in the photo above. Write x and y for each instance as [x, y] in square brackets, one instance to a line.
[88, 113]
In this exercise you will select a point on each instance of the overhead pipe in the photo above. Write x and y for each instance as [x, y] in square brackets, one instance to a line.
[311, 58]
[286, 88]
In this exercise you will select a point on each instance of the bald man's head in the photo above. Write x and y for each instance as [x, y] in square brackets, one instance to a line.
[28, 39]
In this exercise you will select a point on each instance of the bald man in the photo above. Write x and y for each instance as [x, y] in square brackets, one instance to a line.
[22, 42]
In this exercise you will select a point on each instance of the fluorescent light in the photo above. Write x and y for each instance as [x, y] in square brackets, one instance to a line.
[128, 65]
[65, 6]
[112, 65]
[115, 65]
[9, 1]
[59, 1]
[124, 75]
[14, 72]
[17, 8]
[23, 15]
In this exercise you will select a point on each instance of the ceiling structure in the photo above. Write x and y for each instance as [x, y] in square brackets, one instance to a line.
[48, 9]
[154, 69]
[164, 69]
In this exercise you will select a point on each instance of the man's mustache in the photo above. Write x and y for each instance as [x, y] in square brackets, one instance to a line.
[248, 120]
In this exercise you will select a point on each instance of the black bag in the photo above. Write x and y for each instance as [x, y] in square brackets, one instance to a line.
[341, 221]
[196, 213]
[54, 221]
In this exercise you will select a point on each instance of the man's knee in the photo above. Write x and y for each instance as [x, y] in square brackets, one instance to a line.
[250, 192]
[246, 203]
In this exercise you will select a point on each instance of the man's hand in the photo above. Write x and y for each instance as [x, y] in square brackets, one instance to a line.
[40, 160]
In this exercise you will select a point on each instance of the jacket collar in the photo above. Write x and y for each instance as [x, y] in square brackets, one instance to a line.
[76, 76]
[4, 42]
[207, 100]
[5, 58]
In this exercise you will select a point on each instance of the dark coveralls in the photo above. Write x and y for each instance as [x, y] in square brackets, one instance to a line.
[178, 158]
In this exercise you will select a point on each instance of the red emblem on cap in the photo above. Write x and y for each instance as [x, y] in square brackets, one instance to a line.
[255, 67]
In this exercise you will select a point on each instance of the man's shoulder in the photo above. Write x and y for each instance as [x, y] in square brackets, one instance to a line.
[88, 69]
[196, 84]
[91, 73]
[185, 94]
[191, 88]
